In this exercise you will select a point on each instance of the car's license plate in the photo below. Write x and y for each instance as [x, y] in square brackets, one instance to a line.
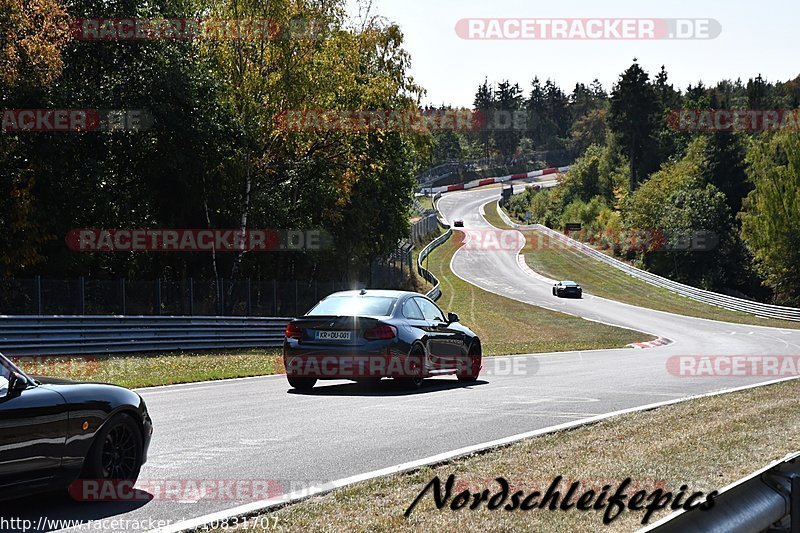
[333, 335]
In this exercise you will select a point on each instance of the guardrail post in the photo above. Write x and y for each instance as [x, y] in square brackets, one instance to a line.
[82, 295]
[221, 297]
[158, 296]
[123, 295]
[249, 301]
[191, 297]
[38, 295]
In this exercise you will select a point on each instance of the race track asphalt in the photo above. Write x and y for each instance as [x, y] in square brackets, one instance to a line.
[257, 429]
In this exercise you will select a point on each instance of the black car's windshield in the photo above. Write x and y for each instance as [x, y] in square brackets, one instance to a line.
[354, 306]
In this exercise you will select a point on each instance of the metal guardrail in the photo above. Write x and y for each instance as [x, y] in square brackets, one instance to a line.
[767, 500]
[74, 335]
[436, 291]
[712, 298]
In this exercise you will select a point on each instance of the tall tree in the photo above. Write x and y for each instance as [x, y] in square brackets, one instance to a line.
[725, 167]
[633, 117]
[508, 101]
[536, 106]
[758, 93]
[771, 216]
[484, 105]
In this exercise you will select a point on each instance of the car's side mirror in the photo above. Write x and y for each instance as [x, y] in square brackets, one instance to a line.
[452, 317]
[17, 384]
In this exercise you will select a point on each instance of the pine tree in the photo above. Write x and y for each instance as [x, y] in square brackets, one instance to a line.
[633, 117]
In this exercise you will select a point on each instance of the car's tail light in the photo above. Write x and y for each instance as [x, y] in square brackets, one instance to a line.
[293, 331]
[381, 332]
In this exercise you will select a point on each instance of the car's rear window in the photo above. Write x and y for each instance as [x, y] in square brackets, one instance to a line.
[354, 306]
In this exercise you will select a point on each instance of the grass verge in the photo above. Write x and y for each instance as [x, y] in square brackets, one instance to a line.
[425, 201]
[605, 281]
[507, 326]
[148, 370]
[702, 443]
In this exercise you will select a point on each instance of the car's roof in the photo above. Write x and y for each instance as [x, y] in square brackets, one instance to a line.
[375, 292]
[568, 282]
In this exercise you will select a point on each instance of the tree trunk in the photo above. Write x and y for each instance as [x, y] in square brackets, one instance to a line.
[634, 181]
[243, 221]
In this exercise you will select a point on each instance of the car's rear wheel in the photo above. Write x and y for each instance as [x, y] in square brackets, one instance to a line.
[554, 292]
[117, 451]
[416, 365]
[302, 383]
[475, 365]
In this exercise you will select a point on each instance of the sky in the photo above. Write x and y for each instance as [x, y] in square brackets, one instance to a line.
[756, 38]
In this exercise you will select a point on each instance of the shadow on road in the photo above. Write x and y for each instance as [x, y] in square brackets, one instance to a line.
[57, 510]
[386, 387]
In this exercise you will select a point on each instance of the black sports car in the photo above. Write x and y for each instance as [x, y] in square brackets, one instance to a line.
[458, 223]
[371, 334]
[53, 432]
[567, 288]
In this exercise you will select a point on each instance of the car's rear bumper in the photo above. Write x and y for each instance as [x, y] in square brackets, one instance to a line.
[568, 294]
[352, 366]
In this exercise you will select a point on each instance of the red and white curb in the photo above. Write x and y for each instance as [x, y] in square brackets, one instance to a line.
[661, 341]
[491, 181]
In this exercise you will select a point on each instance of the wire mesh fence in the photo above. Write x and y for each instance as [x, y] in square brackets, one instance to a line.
[160, 297]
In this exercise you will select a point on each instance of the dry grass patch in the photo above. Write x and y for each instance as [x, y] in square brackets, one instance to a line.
[705, 444]
[147, 370]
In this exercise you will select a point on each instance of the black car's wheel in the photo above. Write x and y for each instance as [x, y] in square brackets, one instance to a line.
[475, 365]
[116, 452]
[302, 383]
[416, 365]
[554, 292]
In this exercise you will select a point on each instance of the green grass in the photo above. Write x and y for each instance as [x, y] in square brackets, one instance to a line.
[605, 281]
[425, 201]
[147, 370]
[506, 326]
[702, 443]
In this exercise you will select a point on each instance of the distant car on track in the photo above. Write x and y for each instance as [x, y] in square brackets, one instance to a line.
[458, 223]
[55, 431]
[564, 289]
[367, 335]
